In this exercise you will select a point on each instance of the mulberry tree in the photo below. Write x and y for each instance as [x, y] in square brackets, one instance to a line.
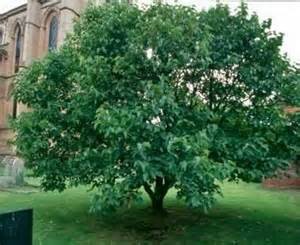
[163, 98]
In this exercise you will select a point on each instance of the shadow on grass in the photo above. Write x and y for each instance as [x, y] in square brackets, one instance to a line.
[247, 215]
[186, 226]
[143, 225]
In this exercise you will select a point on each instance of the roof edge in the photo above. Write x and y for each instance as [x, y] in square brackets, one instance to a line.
[14, 11]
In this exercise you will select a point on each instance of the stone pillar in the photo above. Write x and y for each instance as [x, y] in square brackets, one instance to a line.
[31, 38]
[32, 32]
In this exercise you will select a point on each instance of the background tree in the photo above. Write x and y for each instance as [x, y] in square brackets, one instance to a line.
[163, 98]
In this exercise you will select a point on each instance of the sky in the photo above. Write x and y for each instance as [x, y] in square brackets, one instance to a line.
[285, 16]
[9, 4]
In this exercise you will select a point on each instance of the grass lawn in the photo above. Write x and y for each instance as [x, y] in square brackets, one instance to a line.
[247, 214]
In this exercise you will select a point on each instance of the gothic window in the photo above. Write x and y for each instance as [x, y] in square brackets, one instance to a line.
[53, 32]
[18, 48]
[15, 108]
[18, 45]
[1, 37]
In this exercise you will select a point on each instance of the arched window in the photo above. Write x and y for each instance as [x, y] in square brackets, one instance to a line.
[18, 48]
[15, 108]
[53, 32]
[1, 37]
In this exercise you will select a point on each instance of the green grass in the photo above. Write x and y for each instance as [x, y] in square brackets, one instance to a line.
[247, 214]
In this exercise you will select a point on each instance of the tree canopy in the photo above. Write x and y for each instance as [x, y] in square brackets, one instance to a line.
[163, 98]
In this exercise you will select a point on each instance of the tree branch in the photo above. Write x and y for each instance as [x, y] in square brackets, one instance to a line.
[148, 190]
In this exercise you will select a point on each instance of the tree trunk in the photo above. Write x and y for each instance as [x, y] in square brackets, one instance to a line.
[157, 204]
[158, 194]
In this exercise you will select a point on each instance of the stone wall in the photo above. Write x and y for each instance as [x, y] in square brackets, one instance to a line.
[11, 172]
[287, 179]
[33, 20]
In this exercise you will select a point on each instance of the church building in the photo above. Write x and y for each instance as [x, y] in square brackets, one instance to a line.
[27, 33]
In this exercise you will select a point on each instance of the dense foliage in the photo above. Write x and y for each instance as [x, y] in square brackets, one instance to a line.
[163, 98]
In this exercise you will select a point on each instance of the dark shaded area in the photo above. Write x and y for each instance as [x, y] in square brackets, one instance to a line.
[16, 228]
